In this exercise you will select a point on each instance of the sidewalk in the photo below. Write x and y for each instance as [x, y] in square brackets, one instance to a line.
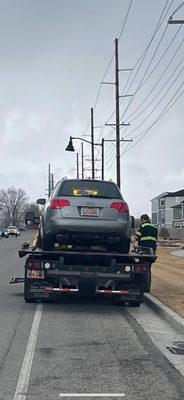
[168, 280]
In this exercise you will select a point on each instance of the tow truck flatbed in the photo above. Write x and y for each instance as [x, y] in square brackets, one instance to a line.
[80, 271]
[86, 253]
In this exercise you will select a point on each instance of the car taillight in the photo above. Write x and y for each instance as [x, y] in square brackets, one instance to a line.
[59, 204]
[36, 265]
[120, 206]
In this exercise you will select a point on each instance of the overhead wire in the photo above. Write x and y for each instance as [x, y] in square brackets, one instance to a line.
[161, 19]
[161, 115]
[121, 30]
[152, 100]
[162, 98]
[143, 55]
[153, 56]
[178, 8]
[158, 80]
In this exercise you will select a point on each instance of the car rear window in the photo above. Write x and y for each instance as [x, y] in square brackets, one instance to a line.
[75, 188]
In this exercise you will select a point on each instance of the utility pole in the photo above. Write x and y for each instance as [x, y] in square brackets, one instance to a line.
[82, 159]
[49, 181]
[102, 159]
[52, 181]
[77, 165]
[118, 171]
[92, 145]
[117, 124]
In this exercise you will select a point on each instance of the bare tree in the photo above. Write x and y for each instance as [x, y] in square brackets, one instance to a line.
[12, 204]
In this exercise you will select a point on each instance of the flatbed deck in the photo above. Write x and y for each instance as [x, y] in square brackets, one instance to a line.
[88, 253]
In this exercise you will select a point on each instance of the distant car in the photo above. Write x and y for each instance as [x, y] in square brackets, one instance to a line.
[4, 233]
[12, 230]
[86, 212]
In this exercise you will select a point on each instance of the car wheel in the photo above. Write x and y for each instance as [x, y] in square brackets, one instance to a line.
[27, 297]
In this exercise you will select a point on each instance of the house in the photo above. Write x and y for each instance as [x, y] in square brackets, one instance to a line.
[167, 210]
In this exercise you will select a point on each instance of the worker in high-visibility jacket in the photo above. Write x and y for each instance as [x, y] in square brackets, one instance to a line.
[147, 236]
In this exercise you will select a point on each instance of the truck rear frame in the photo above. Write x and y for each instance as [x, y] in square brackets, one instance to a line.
[60, 273]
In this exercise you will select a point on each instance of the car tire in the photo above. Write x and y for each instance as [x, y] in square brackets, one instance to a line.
[27, 297]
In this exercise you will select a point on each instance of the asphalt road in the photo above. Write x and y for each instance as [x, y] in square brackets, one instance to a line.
[78, 347]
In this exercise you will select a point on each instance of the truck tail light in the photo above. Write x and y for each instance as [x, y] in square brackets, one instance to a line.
[120, 206]
[35, 265]
[54, 204]
[138, 268]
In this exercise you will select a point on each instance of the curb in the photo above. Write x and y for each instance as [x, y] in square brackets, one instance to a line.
[170, 316]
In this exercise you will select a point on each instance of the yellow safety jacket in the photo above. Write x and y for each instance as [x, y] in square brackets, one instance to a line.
[147, 235]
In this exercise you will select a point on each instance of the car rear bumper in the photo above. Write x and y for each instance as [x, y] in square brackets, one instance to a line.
[89, 229]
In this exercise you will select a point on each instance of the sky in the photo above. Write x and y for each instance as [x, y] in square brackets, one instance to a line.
[53, 57]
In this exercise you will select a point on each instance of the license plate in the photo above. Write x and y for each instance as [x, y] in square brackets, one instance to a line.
[90, 212]
[35, 274]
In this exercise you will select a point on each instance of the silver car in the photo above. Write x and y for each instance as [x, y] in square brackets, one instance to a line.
[85, 213]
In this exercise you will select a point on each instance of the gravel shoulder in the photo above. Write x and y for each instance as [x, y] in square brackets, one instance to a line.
[168, 280]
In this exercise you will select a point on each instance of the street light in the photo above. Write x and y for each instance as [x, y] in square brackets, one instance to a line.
[70, 147]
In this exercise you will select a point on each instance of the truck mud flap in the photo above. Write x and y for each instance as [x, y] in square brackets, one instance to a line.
[35, 291]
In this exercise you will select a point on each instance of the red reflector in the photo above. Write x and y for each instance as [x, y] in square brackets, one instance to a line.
[59, 203]
[30, 264]
[125, 292]
[34, 265]
[37, 265]
[48, 289]
[138, 268]
[66, 290]
[120, 206]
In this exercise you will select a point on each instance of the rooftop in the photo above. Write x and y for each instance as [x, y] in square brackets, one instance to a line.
[179, 193]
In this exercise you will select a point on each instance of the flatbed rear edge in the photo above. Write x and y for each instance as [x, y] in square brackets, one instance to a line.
[38, 289]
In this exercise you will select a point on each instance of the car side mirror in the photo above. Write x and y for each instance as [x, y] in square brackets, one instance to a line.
[132, 222]
[30, 218]
[41, 201]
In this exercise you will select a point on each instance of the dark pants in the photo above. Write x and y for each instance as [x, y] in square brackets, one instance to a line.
[147, 286]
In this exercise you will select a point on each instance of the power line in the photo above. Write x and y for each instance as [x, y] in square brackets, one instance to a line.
[181, 5]
[159, 79]
[165, 84]
[161, 115]
[159, 24]
[123, 24]
[125, 21]
[143, 55]
[140, 83]
[135, 129]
